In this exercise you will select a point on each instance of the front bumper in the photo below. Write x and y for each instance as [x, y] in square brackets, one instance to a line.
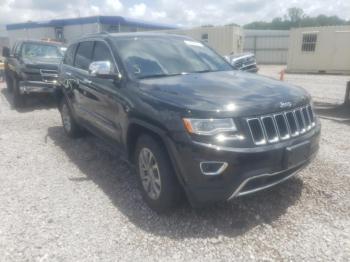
[28, 87]
[249, 169]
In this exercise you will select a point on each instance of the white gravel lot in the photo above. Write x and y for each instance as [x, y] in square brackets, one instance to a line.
[75, 200]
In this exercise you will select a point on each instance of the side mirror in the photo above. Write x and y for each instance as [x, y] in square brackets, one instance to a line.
[103, 69]
[5, 51]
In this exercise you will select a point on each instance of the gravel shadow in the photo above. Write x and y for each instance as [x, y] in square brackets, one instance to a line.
[339, 113]
[33, 102]
[101, 165]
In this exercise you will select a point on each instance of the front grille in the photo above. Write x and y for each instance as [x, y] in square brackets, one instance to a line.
[49, 76]
[281, 126]
[244, 63]
[238, 64]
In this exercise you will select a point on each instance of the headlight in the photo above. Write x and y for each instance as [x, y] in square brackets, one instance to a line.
[209, 126]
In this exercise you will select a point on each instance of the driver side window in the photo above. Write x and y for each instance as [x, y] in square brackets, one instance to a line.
[83, 55]
[102, 53]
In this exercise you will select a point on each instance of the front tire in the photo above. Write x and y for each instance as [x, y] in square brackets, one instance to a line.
[9, 83]
[158, 182]
[70, 126]
[18, 98]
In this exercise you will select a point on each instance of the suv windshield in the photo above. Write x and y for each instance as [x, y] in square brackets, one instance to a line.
[156, 56]
[41, 50]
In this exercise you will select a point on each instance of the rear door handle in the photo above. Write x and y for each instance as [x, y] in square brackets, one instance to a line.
[68, 73]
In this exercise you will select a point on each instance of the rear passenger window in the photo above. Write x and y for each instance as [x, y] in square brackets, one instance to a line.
[102, 53]
[69, 56]
[83, 55]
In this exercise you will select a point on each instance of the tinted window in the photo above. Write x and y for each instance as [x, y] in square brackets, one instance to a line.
[101, 52]
[83, 55]
[69, 57]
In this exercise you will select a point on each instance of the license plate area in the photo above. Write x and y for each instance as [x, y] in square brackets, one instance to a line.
[297, 154]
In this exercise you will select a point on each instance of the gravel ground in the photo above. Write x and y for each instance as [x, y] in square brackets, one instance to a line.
[75, 200]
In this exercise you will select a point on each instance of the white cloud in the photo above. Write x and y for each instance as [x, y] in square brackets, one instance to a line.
[190, 15]
[138, 10]
[180, 12]
[115, 5]
[158, 15]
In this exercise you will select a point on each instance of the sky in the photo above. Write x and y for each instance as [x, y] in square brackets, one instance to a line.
[177, 12]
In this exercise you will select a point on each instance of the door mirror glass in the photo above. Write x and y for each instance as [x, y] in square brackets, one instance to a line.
[101, 69]
[5, 51]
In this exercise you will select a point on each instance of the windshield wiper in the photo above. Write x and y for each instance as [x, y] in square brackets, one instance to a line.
[157, 76]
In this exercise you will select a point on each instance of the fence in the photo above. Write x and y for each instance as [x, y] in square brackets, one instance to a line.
[269, 46]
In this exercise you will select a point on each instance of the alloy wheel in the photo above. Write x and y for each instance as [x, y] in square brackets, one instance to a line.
[149, 173]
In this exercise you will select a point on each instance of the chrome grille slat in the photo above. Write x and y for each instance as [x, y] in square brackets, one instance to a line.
[300, 121]
[281, 126]
[270, 129]
[257, 132]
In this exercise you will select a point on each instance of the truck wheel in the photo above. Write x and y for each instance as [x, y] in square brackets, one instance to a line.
[159, 185]
[70, 126]
[18, 98]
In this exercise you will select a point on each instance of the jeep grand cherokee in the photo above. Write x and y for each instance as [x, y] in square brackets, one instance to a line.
[190, 123]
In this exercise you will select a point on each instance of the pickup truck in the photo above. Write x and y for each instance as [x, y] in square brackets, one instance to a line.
[31, 67]
[244, 62]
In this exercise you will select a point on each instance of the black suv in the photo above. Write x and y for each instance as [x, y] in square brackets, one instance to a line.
[32, 67]
[190, 123]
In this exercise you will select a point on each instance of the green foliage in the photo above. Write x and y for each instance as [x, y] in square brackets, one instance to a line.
[296, 18]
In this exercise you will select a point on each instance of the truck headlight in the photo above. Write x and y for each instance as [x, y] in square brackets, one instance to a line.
[209, 126]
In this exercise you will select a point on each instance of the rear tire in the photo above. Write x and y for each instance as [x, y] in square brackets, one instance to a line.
[158, 182]
[18, 98]
[70, 125]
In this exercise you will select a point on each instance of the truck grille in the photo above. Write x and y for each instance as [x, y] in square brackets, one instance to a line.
[244, 62]
[281, 126]
[238, 64]
[49, 76]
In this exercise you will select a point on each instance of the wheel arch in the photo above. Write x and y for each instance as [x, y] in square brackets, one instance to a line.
[137, 128]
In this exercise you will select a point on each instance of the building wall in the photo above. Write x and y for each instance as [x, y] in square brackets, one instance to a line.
[70, 32]
[4, 40]
[33, 33]
[269, 46]
[331, 54]
[69, 29]
[73, 32]
[223, 39]
[3, 32]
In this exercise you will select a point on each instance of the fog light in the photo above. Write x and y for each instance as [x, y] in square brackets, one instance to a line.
[212, 168]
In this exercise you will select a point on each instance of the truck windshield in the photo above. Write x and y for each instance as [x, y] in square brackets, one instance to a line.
[157, 56]
[41, 50]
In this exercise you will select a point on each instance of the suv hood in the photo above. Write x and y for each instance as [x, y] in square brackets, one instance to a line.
[234, 92]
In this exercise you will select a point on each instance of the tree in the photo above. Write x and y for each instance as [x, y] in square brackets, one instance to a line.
[295, 14]
[296, 17]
